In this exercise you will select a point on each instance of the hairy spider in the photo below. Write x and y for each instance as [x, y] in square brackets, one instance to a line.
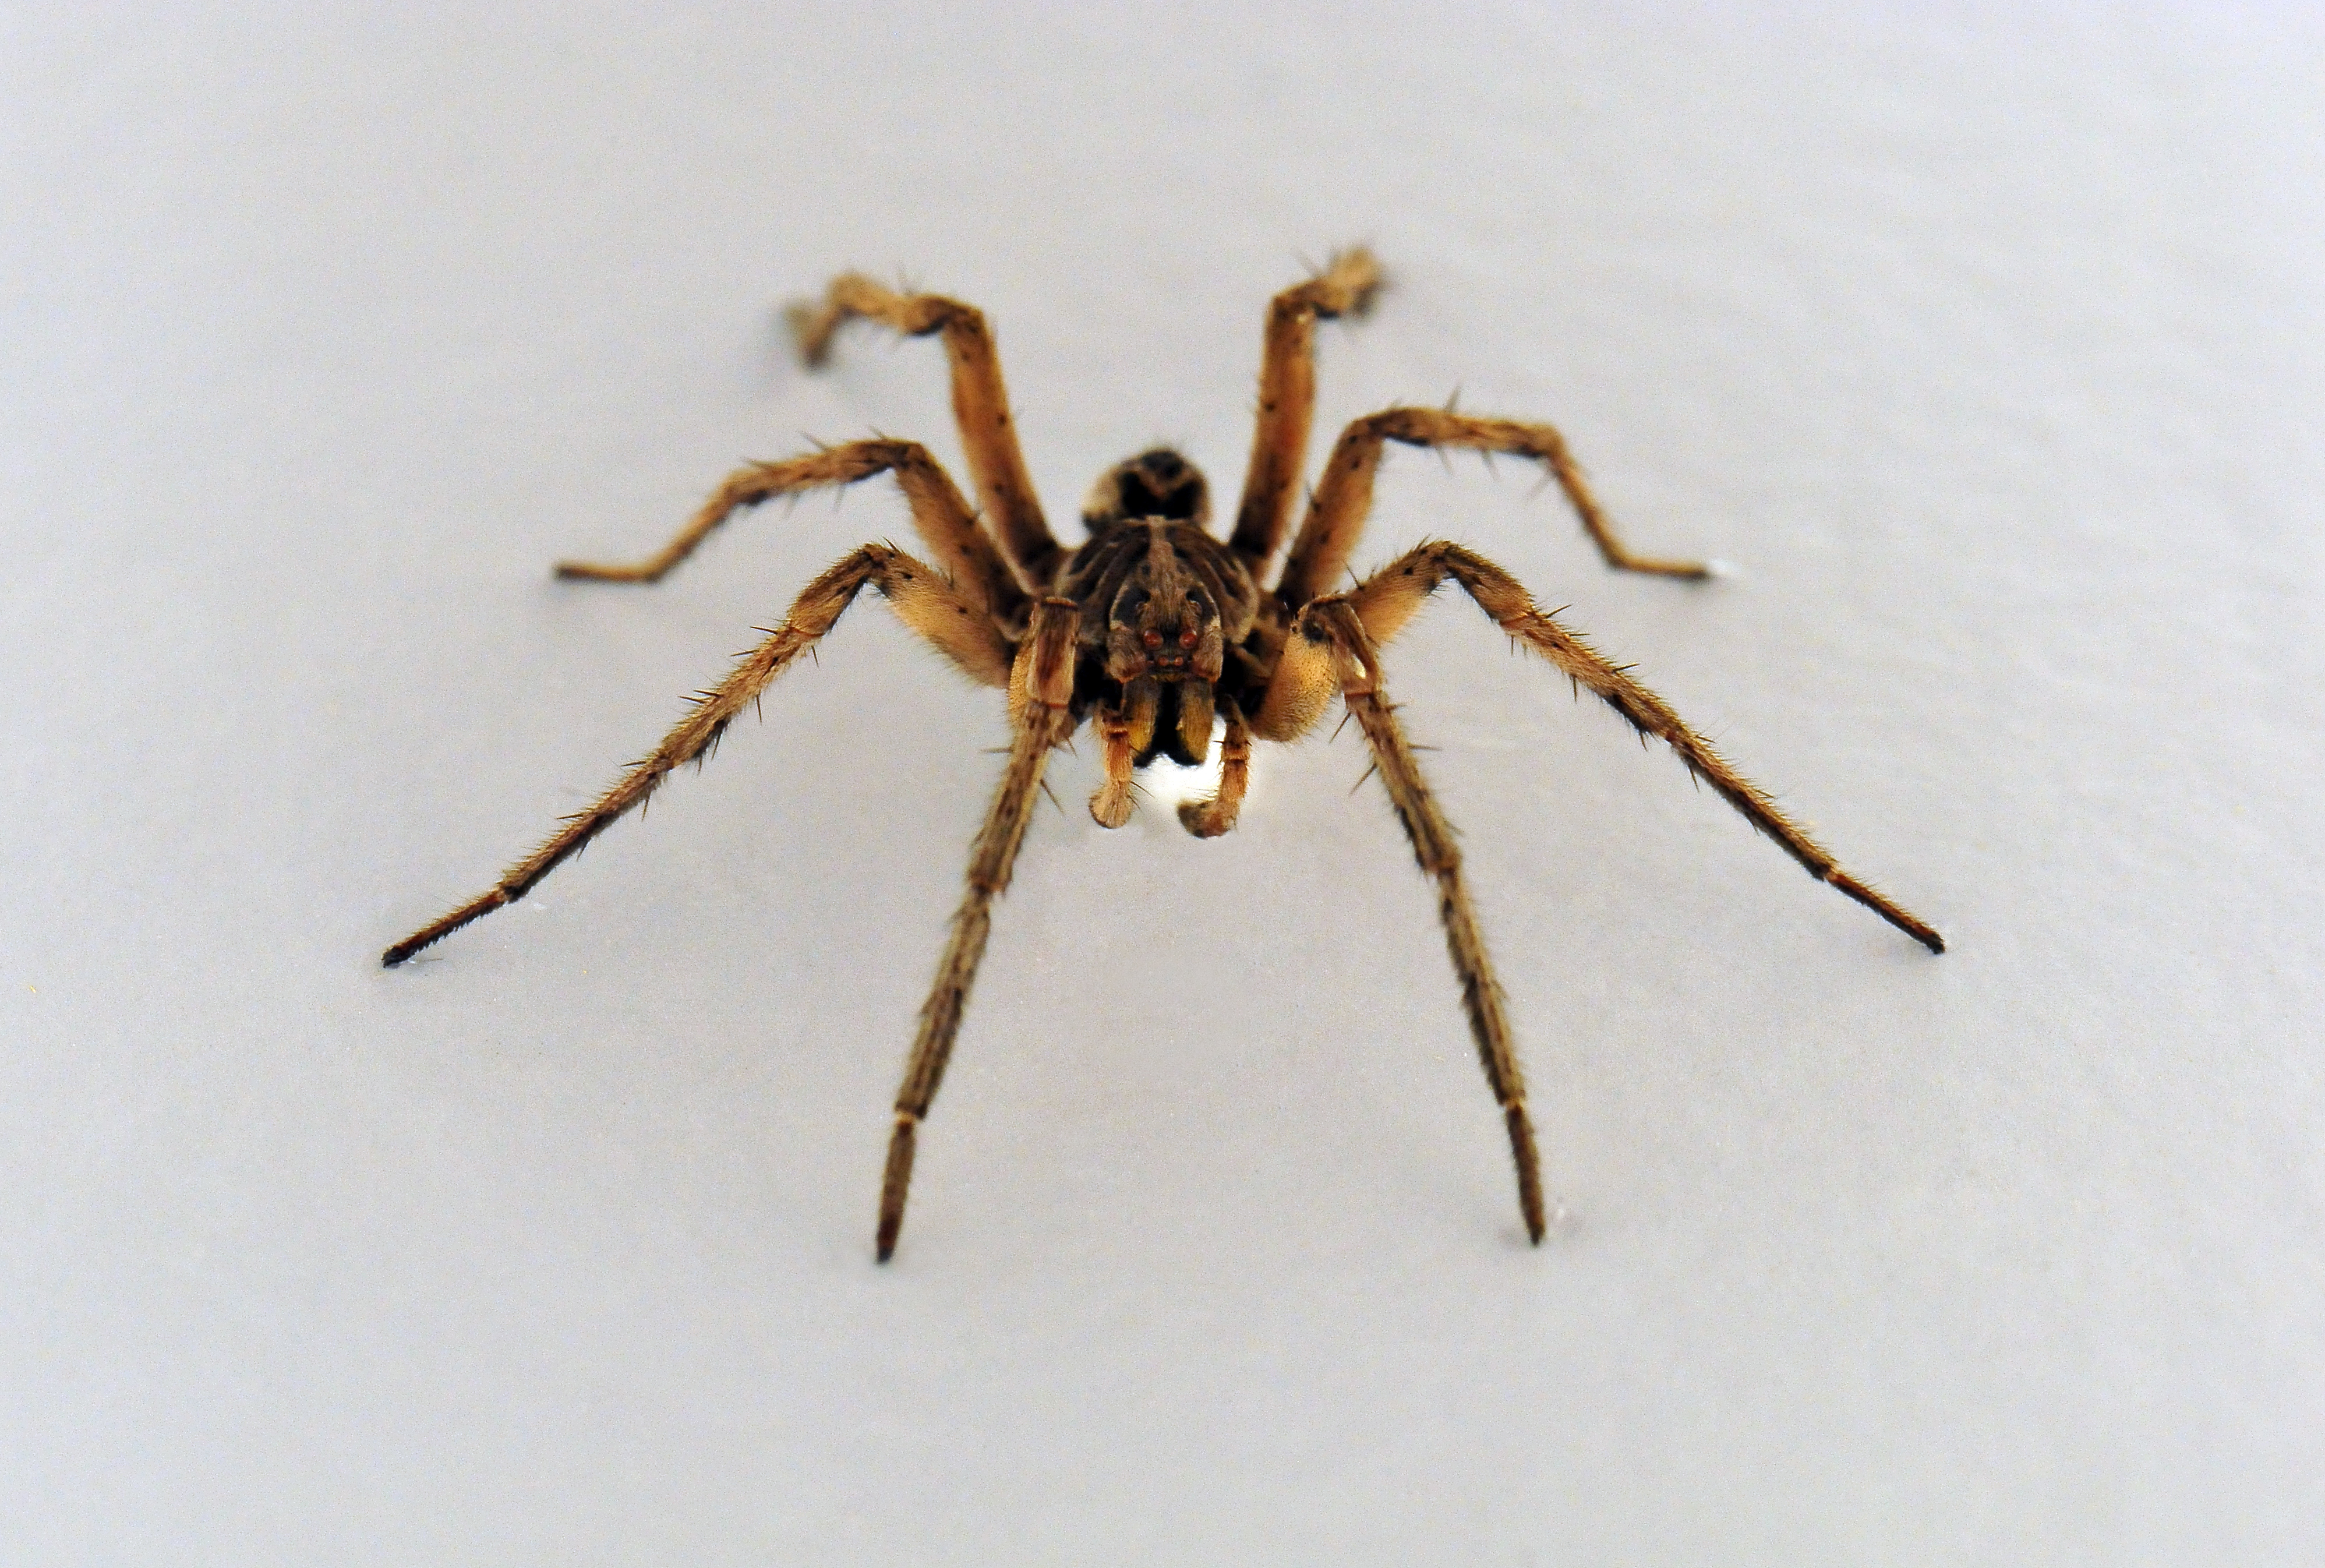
[1157, 633]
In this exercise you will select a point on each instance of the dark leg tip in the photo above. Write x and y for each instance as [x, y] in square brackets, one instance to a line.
[894, 1184]
[591, 571]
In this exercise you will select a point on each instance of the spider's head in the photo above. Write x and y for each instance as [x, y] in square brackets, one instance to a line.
[1164, 623]
[1155, 484]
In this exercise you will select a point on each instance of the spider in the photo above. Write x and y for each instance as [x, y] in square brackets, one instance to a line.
[1157, 633]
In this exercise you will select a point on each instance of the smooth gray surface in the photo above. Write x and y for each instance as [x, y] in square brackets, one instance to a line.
[1988, 349]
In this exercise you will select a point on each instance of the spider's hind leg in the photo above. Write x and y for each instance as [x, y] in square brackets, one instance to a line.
[980, 402]
[1344, 497]
[1287, 398]
[939, 513]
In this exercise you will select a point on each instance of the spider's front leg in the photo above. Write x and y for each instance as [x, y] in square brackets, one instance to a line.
[1330, 651]
[1041, 687]
[1384, 601]
[921, 598]
[1344, 497]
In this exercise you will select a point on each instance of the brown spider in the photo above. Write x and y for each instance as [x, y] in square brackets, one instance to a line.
[1155, 632]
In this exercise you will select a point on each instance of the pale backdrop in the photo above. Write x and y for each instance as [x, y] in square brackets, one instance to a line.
[1987, 345]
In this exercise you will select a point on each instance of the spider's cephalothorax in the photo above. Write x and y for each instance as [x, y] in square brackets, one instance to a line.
[1156, 633]
[1162, 606]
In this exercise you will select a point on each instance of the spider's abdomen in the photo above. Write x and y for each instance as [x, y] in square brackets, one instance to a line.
[1156, 484]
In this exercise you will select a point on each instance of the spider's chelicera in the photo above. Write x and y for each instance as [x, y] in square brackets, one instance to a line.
[1161, 637]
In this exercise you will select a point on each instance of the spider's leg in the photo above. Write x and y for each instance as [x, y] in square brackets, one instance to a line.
[1287, 399]
[1342, 500]
[1333, 640]
[980, 402]
[1388, 599]
[939, 513]
[1208, 818]
[919, 595]
[1041, 686]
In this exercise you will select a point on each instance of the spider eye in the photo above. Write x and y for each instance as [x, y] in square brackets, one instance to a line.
[1151, 639]
[1186, 639]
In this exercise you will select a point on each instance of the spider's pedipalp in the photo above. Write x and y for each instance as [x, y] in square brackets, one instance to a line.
[1119, 742]
[1210, 818]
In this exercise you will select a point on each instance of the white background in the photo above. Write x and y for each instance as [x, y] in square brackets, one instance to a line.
[1986, 344]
